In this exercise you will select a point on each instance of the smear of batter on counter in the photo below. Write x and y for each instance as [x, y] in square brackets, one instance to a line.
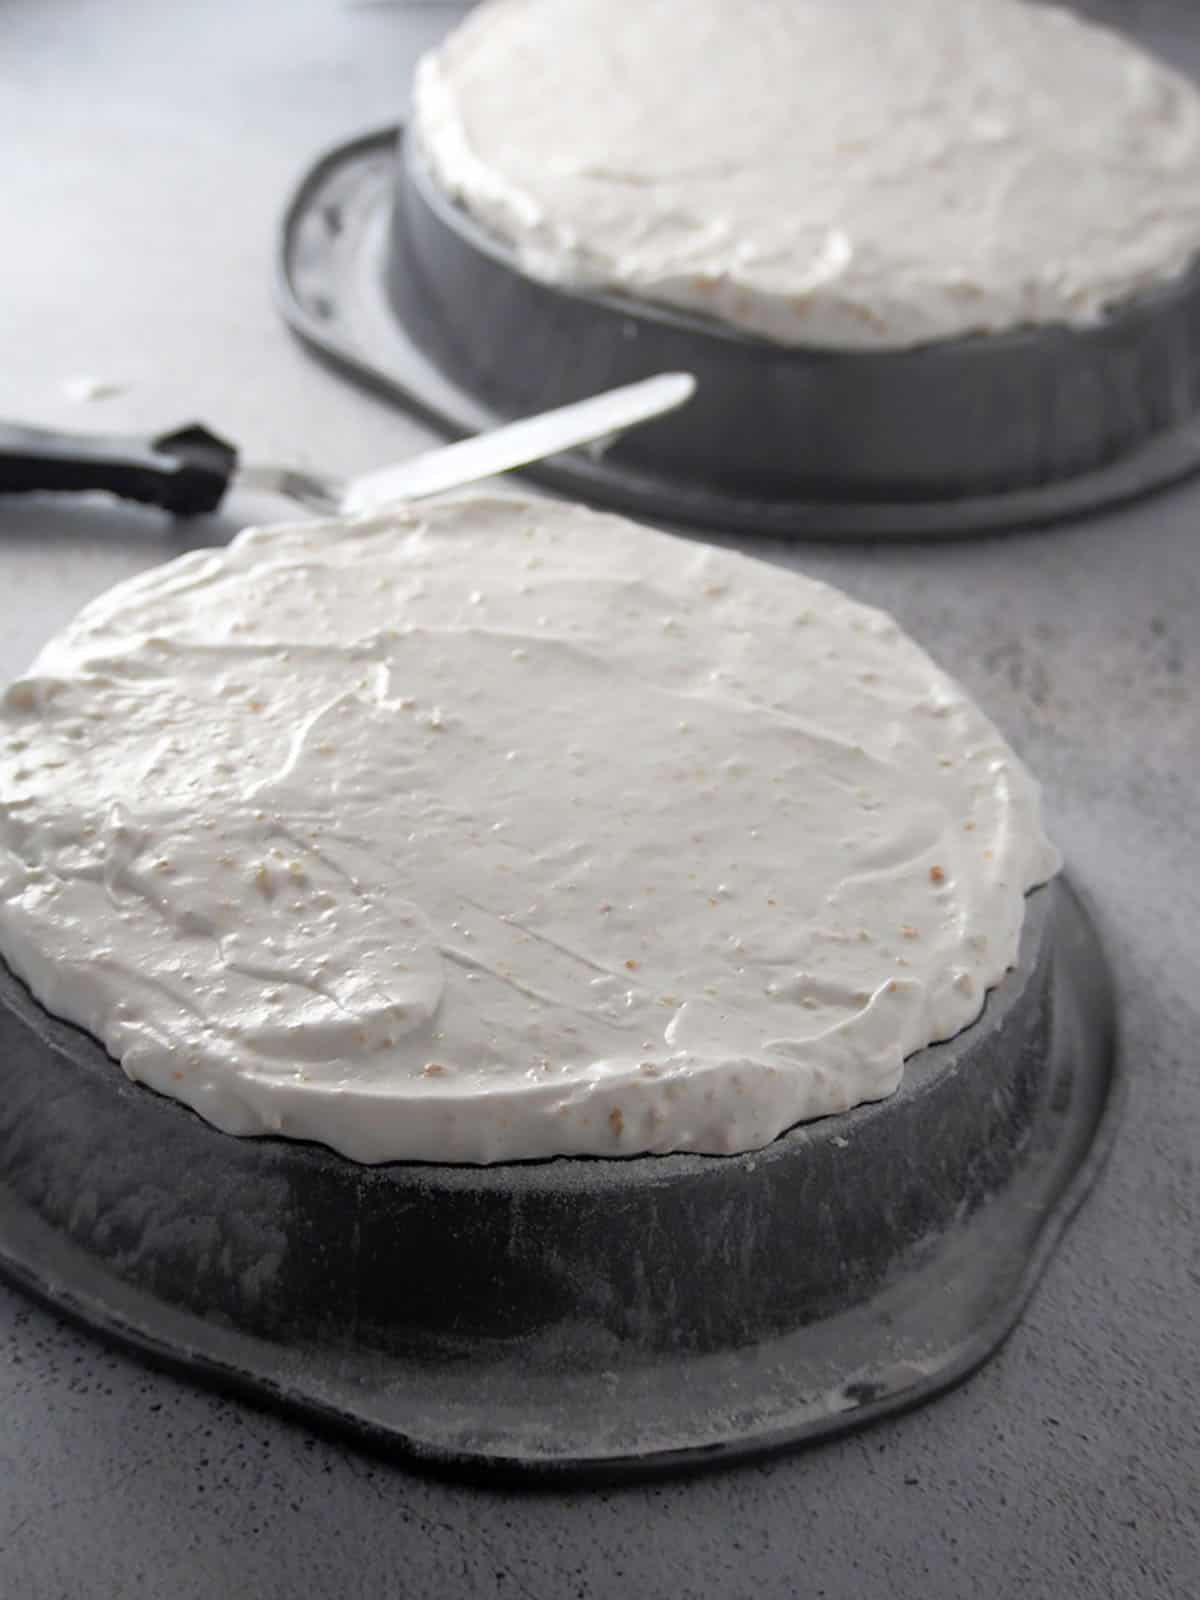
[84, 389]
[503, 829]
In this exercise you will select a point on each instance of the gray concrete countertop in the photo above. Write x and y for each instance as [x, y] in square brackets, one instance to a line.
[145, 150]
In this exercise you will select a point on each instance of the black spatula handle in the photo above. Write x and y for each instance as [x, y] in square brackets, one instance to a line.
[185, 472]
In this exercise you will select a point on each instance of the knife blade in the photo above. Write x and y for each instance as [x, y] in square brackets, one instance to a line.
[518, 443]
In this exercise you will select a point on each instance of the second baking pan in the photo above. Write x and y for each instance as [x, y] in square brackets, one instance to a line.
[383, 274]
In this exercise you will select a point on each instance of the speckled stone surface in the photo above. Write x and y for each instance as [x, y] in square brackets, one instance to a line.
[144, 153]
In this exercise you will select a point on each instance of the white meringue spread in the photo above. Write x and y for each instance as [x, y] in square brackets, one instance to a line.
[503, 829]
[848, 173]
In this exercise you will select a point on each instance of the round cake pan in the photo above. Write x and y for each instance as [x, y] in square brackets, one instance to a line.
[595, 1316]
[385, 275]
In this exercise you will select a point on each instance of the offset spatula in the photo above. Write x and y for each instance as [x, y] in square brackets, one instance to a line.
[187, 472]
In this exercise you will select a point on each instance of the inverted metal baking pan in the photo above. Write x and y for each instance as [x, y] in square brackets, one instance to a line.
[590, 1317]
[381, 273]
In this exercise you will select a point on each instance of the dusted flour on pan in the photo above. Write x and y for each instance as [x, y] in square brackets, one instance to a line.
[851, 173]
[503, 829]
